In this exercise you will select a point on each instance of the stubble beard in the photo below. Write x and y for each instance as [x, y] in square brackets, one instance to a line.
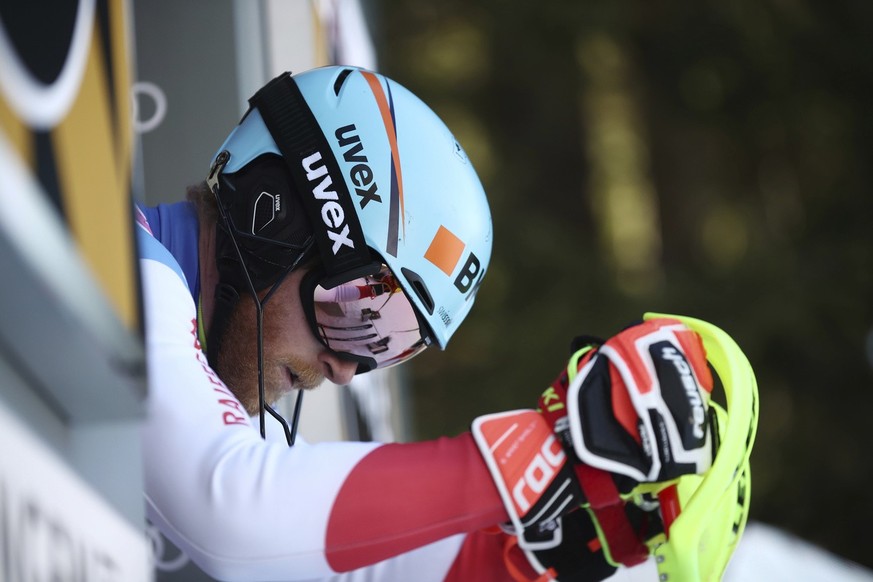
[237, 363]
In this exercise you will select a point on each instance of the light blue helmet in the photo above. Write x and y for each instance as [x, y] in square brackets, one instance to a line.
[386, 189]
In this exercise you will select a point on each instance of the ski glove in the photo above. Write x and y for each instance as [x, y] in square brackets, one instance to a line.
[583, 554]
[632, 410]
[529, 467]
[637, 406]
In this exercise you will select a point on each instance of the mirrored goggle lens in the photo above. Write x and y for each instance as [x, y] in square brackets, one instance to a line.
[369, 318]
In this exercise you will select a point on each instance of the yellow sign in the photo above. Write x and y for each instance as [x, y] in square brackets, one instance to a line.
[65, 107]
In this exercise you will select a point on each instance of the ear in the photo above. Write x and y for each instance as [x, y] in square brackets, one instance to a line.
[265, 219]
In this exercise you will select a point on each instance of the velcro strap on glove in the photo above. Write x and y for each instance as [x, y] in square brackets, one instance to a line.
[530, 469]
[620, 541]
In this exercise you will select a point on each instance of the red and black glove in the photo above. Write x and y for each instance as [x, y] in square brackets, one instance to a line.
[637, 405]
[633, 410]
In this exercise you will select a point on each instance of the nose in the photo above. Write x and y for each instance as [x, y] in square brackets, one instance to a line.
[336, 368]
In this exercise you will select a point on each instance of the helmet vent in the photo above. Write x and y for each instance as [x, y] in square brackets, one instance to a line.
[420, 288]
[340, 79]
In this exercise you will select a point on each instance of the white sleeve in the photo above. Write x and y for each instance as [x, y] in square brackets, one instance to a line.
[209, 475]
[243, 508]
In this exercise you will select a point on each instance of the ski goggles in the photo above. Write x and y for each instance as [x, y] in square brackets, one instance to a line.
[368, 319]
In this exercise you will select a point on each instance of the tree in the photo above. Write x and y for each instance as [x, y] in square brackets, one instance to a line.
[743, 131]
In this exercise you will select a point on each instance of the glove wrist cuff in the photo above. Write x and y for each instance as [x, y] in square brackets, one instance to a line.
[529, 467]
[618, 537]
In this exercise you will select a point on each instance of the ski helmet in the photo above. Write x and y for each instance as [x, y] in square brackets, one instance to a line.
[347, 164]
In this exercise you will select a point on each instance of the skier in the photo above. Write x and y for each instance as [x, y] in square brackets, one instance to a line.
[342, 228]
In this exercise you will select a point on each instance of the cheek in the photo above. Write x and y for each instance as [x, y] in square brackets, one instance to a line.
[286, 327]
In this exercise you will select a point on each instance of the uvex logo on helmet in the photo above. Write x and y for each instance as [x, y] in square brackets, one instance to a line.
[332, 213]
[361, 175]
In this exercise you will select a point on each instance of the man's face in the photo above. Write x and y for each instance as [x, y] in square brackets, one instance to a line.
[293, 357]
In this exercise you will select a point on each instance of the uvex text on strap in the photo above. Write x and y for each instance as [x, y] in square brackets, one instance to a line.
[317, 177]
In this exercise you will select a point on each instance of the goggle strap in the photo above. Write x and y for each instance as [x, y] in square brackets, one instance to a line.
[330, 281]
[298, 136]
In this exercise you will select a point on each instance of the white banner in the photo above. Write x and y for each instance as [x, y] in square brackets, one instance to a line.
[53, 526]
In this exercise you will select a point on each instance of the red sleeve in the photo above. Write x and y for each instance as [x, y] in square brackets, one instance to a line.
[403, 496]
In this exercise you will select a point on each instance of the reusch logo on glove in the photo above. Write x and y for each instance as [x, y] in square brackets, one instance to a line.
[539, 473]
[681, 391]
[690, 385]
[529, 468]
[524, 451]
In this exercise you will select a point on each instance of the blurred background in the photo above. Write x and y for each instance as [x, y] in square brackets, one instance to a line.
[706, 158]
[711, 159]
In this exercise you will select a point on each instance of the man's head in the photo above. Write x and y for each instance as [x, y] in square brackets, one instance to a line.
[292, 357]
[348, 173]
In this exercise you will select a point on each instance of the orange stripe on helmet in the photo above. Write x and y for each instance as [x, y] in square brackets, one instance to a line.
[388, 120]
